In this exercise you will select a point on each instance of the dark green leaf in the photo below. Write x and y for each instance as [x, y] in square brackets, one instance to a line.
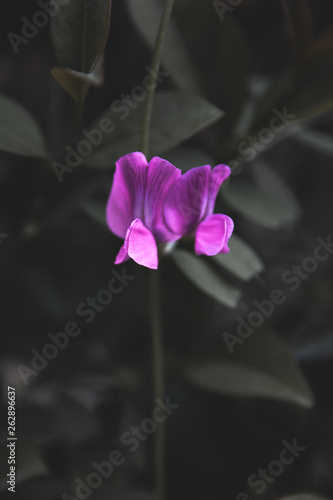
[241, 260]
[76, 83]
[204, 278]
[79, 33]
[320, 141]
[263, 367]
[186, 158]
[266, 200]
[147, 16]
[220, 52]
[19, 132]
[177, 116]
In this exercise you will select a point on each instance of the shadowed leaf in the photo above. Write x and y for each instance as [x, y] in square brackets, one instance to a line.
[263, 367]
[79, 32]
[266, 200]
[241, 260]
[177, 116]
[19, 132]
[204, 278]
[147, 16]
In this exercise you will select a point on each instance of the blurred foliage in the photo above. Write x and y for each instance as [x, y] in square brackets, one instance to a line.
[222, 82]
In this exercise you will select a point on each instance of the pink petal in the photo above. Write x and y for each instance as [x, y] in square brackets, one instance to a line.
[212, 235]
[186, 202]
[140, 245]
[218, 175]
[230, 228]
[122, 256]
[161, 176]
[126, 200]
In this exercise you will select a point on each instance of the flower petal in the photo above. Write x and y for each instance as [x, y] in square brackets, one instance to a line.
[186, 202]
[212, 235]
[230, 228]
[161, 176]
[122, 256]
[126, 200]
[140, 245]
[218, 175]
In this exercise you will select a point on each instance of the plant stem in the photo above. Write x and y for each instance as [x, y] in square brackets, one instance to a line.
[155, 311]
[155, 307]
[155, 66]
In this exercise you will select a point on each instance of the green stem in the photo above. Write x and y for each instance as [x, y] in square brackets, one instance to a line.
[155, 311]
[155, 66]
[155, 307]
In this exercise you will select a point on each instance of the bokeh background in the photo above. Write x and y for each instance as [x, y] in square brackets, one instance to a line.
[56, 251]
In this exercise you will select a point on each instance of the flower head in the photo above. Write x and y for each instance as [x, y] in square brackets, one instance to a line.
[189, 208]
[135, 206]
[152, 203]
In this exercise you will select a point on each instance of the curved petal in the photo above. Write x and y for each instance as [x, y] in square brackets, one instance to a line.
[161, 176]
[140, 245]
[126, 200]
[212, 235]
[122, 256]
[218, 175]
[186, 202]
[230, 228]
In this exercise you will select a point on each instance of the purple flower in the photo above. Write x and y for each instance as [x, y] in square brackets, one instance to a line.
[152, 203]
[189, 208]
[135, 207]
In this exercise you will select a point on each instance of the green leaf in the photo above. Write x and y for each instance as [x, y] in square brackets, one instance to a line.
[79, 33]
[204, 278]
[320, 141]
[261, 365]
[146, 17]
[241, 260]
[76, 83]
[177, 116]
[186, 158]
[219, 51]
[19, 132]
[265, 200]
[29, 462]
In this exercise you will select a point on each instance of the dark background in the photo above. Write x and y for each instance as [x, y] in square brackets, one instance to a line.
[59, 251]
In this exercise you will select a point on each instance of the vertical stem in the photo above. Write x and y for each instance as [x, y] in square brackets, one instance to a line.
[155, 307]
[155, 66]
[155, 311]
